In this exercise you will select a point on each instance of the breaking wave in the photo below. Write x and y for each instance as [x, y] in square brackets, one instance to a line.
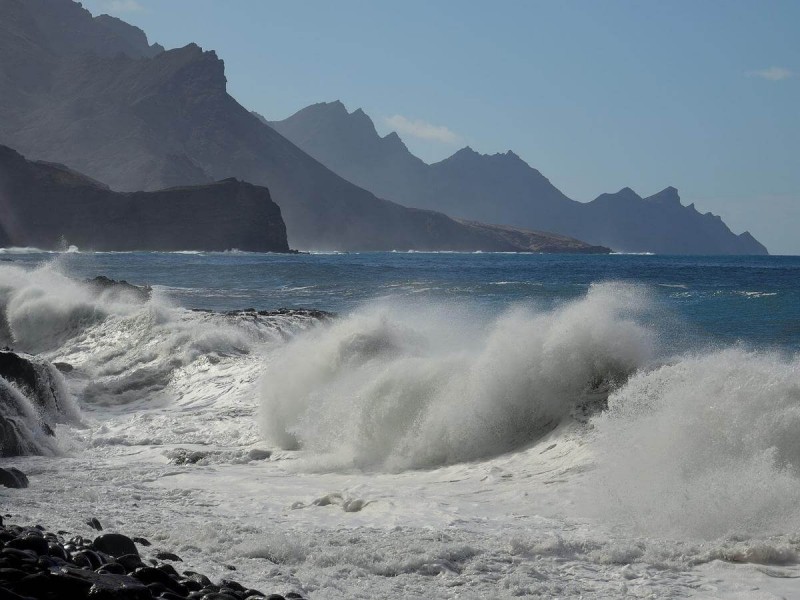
[706, 446]
[126, 348]
[397, 387]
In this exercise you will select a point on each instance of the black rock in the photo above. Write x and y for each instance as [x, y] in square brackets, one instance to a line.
[10, 575]
[130, 562]
[142, 541]
[18, 556]
[103, 283]
[234, 585]
[169, 570]
[94, 524]
[112, 567]
[37, 585]
[31, 403]
[258, 454]
[30, 542]
[21, 477]
[118, 587]
[168, 556]
[6, 594]
[56, 550]
[152, 575]
[88, 559]
[157, 589]
[115, 544]
[64, 367]
[192, 585]
[9, 478]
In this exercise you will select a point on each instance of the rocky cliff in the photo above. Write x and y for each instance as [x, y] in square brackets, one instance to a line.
[50, 206]
[92, 94]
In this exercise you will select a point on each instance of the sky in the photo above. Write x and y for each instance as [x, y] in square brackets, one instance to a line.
[598, 96]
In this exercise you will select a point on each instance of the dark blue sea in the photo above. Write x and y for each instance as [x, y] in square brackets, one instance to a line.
[720, 300]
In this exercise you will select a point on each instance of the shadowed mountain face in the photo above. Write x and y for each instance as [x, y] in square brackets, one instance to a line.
[502, 188]
[49, 206]
[91, 93]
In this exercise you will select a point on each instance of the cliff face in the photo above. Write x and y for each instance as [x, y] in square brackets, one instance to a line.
[502, 188]
[49, 206]
[138, 118]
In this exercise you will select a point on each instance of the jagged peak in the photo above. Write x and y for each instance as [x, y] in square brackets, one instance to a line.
[361, 117]
[627, 192]
[393, 139]
[668, 196]
[465, 152]
[337, 106]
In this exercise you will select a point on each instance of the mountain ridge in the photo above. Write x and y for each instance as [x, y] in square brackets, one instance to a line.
[502, 188]
[137, 117]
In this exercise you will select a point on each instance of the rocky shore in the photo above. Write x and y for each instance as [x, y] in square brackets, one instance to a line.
[39, 564]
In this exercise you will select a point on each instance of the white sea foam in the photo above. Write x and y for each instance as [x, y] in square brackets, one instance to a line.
[125, 349]
[695, 445]
[396, 387]
[707, 446]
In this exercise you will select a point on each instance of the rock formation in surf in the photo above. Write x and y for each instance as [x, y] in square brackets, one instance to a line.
[95, 96]
[502, 188]
[33, 399]
[50, 206]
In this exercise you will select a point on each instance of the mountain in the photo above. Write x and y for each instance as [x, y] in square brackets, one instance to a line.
[92, 93]
[49, 206]
[502, 188]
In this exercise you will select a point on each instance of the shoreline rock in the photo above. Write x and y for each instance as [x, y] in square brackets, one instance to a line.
[33, 399]
[36, 563]
[101, 283]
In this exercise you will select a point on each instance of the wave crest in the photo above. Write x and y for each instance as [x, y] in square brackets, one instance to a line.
[707, 446]
[397, 387]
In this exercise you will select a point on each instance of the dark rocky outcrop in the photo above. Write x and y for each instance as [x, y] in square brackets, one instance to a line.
[36, 563]
[50, 206]
[33, 399]
[101, 283]
[13, 478]
[136, 118]
[502, 188]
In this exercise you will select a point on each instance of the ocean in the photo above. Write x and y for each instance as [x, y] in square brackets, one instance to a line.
[461, 425]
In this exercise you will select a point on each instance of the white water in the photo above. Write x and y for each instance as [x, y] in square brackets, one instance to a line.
[399, 387]
[424, 451]
[705, 447]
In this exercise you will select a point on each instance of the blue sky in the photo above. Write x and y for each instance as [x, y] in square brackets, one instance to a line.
[596, 95]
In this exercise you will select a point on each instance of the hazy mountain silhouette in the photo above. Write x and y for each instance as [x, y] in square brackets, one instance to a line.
[502, 188]
[50, 206]
[93, 94]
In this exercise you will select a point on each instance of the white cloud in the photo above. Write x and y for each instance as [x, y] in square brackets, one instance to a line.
[122, 5]
[772, 73]
[422, 129]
